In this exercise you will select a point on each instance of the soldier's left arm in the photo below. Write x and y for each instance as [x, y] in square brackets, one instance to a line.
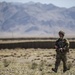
[67, 45]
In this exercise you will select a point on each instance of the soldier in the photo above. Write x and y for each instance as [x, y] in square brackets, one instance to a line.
[62, 47]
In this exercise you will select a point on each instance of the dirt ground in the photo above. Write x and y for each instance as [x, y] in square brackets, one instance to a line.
[33, 62]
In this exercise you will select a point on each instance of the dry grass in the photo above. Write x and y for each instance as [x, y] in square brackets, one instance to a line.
[32, 62]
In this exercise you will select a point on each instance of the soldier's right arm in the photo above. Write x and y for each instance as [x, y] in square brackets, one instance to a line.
[56, 44]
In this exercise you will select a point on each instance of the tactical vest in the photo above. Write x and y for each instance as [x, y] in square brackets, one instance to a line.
[61, 43]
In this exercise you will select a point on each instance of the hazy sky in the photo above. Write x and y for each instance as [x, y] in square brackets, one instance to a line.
[61, 3]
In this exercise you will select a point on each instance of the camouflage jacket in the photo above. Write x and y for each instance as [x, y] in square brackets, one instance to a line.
[62, 43]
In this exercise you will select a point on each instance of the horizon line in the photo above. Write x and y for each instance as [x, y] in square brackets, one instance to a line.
[36, 3]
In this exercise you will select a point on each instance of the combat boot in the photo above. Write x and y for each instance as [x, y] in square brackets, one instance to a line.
[55, 70]
[66, 69]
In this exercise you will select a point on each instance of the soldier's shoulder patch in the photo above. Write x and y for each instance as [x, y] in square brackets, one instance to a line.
[66, 40]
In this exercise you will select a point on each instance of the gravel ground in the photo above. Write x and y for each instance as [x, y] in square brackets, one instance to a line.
[32, 62]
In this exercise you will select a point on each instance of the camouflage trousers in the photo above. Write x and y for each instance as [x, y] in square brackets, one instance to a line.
[61, 57]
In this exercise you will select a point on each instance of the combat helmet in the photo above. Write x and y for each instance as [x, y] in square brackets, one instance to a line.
[61, 32]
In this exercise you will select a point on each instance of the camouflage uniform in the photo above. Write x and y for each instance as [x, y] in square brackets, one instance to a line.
[61, 54]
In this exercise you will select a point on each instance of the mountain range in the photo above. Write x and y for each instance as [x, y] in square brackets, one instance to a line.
[35, 19]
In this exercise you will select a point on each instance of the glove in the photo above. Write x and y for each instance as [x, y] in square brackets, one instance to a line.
[61, 49]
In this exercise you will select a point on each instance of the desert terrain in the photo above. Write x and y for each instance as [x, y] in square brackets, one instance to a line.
[32, 57]
[21, 61]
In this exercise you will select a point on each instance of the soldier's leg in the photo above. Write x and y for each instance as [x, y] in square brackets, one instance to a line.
[64, 59]
[57, 63]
